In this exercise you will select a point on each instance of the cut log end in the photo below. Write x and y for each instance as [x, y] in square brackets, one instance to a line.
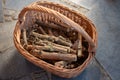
[61, 64]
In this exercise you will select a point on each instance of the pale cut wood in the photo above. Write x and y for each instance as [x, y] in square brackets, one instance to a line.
[61, 64]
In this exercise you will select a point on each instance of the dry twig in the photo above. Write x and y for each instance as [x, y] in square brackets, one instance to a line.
[52, 38]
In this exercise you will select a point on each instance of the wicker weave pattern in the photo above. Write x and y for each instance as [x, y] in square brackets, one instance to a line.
[60, 15]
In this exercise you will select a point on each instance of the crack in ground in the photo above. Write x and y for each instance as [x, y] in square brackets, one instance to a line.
[104, 71]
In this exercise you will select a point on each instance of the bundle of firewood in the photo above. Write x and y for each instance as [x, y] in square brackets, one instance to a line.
[55, 43]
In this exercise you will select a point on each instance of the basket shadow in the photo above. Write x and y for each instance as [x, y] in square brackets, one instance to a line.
[13, 66]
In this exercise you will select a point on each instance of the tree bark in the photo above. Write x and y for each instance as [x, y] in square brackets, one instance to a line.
[55, 56]
[52, 38]
[24, 37]
[52, 48]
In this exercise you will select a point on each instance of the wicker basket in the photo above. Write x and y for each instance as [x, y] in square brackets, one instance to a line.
[60, 15]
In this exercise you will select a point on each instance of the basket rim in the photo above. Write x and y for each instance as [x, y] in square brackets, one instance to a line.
[32, 58]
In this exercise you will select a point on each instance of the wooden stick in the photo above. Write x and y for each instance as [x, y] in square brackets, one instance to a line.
[62, 38]
[39, 43]
[24, 36]
[41, 29]
[59, 23]
[45, 42]
[50, 32]
[55, 33]
[75, 45]
[52, 48]
[56, 56]
[51, 25]
[80, 46]
[53, 39]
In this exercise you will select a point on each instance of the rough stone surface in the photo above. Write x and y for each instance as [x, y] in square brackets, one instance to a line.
[8, 12]
[15, 15]
[6, 35]
[1, 12]
[10, 15]
[8, 18]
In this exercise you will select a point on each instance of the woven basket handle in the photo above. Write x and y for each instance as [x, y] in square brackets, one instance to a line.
[63, 18]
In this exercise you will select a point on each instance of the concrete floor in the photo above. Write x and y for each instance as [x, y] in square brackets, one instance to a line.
[105, 14]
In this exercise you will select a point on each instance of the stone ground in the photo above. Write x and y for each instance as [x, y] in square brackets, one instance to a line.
[1, 11]
[105, 14]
